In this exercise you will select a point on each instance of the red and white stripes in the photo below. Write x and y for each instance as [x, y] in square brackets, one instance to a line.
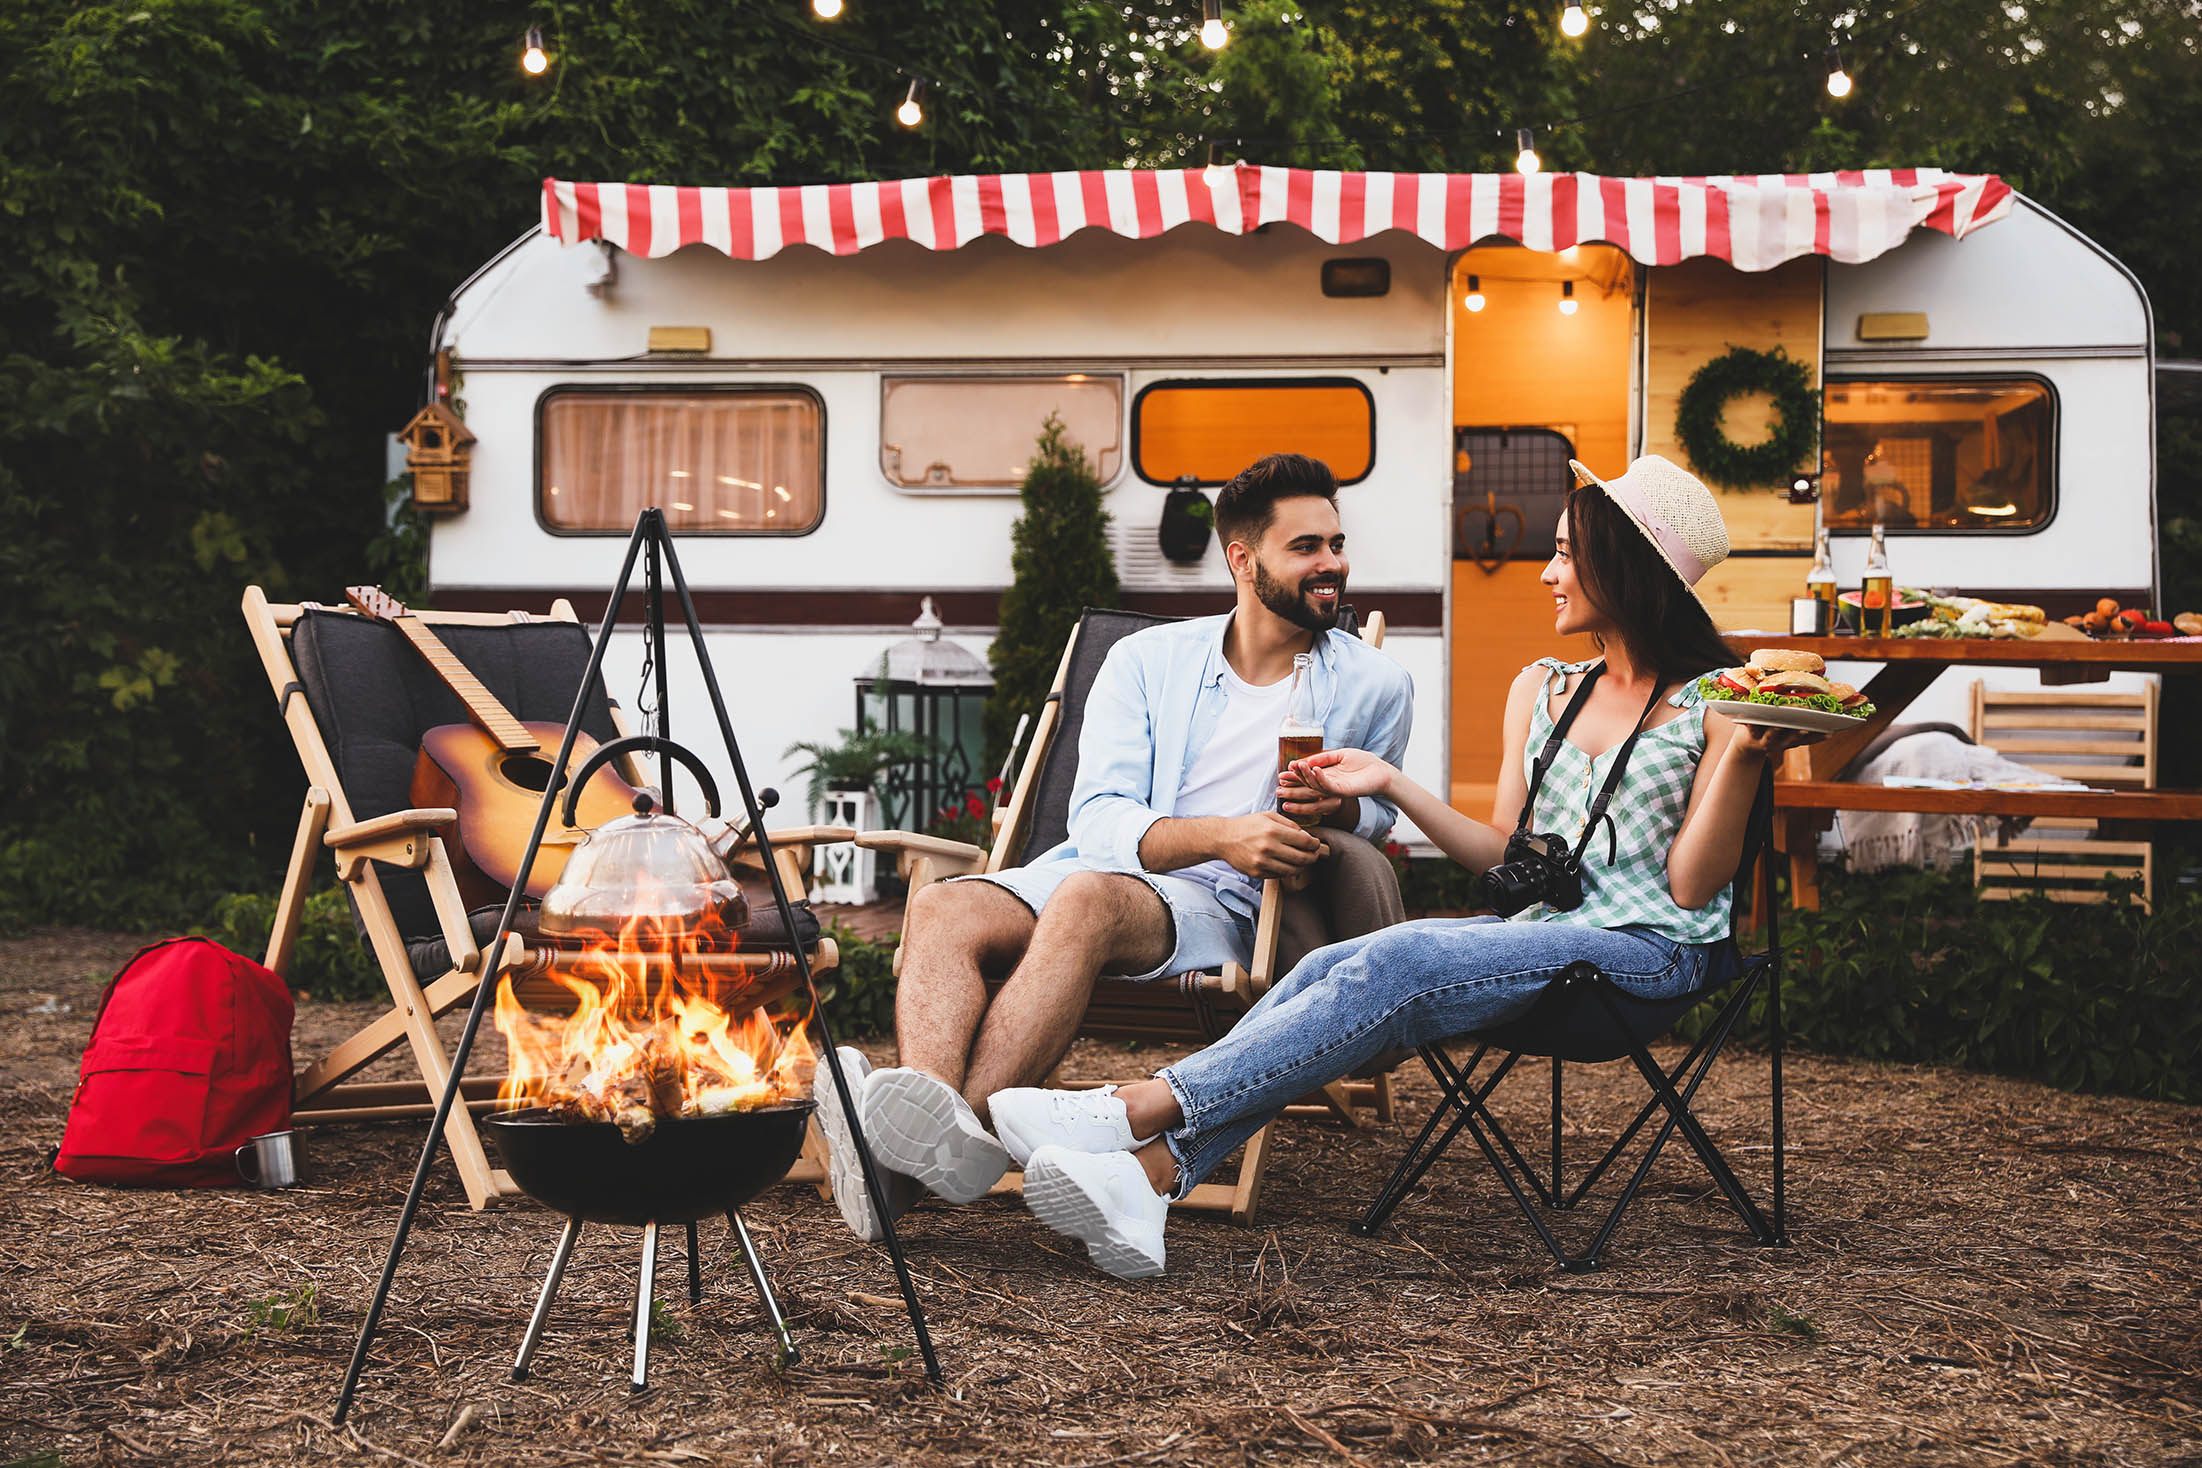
[1753, 221]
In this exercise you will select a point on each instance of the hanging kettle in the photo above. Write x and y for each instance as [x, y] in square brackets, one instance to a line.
[651, 865]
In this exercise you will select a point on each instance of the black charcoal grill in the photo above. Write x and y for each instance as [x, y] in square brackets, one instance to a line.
[688, 1169]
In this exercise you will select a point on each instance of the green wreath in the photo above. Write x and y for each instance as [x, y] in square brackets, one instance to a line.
[1796, 418]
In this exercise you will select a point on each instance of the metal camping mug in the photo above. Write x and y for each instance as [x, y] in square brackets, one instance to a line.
[1808, 617]
[270, 1160]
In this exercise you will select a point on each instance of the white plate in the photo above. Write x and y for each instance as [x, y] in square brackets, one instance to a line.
[1783, 716]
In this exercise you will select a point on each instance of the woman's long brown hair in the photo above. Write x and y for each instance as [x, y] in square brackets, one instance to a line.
[1655, 617]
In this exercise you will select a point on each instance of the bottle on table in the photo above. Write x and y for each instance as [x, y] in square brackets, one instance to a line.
[1877, 590]
[1301, 733]
[1820, 584]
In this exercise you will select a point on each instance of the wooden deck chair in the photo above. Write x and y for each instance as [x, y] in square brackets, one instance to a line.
[2100, 739]
[356, 699]
[1194, 1009]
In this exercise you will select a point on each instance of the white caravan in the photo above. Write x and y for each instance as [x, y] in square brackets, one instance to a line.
[832, 391]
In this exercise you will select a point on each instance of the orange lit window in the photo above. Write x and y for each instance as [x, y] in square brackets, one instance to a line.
[1212, 429]
[1948, 454]
[741, 461]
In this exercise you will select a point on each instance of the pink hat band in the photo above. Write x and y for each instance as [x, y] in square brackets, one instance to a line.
[1685, 561]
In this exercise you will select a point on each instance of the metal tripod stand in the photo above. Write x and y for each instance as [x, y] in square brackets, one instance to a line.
[650, 540]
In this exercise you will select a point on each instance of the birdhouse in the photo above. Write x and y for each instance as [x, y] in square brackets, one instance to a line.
[437, 446]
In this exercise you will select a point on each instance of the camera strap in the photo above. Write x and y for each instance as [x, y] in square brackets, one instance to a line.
[1551, 751]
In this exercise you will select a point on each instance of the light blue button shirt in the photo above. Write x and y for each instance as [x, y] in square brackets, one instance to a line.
[1157, 700]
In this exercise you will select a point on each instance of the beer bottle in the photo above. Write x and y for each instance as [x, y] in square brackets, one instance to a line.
[1877, 593]
[1301, 733]
[1820, 583]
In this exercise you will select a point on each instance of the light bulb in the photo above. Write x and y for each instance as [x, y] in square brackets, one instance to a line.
[1217, 172]
[1568, 304]
[826, 9]
[1474, 299]
[911, 113]
[1573, 21]
[1212, 32]
[533, 59]
[1838, 80]
[1526, 160]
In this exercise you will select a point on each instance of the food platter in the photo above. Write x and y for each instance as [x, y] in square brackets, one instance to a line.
[1783, 716]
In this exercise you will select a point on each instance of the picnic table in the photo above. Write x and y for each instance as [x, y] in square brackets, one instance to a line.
[1807, 792]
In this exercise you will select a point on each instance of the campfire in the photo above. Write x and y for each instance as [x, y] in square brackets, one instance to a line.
[662, 1026]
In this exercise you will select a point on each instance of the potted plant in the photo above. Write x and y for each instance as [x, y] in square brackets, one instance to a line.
[1187, 519]
[844, 791]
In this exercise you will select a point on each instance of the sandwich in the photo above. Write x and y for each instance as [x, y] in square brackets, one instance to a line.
[1787, 679]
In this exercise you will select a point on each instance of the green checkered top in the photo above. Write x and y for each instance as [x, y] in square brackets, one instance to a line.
[1646, 809]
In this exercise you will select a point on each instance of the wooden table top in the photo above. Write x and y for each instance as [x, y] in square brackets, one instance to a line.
[2108, 805]
[2139, 655]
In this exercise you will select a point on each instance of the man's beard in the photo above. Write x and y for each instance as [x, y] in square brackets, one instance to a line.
[1291, 602]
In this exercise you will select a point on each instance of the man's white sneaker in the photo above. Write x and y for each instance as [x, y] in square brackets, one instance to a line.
[1029, 1118]
[920, 1126]
[1103, 1200]
[843, 1165]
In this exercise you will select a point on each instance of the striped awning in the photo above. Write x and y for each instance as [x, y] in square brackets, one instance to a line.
[1753, 221]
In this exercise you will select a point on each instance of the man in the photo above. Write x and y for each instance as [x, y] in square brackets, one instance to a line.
[1176, 817]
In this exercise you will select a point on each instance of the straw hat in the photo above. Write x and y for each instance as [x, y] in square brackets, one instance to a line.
[1676, 512]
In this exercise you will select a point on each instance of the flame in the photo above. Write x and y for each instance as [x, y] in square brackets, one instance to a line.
[648, 1036]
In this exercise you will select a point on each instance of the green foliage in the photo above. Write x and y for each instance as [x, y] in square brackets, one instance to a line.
[1060, 563]
[860, 998]
[330, 961]
[1911, 965]
[293, 1309]
[860, 760]
[968, 818]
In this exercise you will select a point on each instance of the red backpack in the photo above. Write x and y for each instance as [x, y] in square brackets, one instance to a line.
[190, 1058]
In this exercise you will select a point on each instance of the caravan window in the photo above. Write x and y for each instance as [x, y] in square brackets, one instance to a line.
[1214, 427]
[973, 432]
[731, 461]
[1973, 453]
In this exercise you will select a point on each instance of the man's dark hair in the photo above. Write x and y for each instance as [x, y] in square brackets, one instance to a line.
[1248, 502]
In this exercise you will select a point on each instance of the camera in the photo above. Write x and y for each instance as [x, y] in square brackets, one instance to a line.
[1537, 869]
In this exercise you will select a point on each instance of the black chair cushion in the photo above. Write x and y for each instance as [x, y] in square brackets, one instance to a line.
[374, 696]
[1098, 631]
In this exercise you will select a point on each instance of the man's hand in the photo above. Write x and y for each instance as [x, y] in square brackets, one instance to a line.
[1268, 844]
[1305, 804]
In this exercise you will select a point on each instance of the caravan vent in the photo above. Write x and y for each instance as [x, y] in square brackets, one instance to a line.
[1140, 564]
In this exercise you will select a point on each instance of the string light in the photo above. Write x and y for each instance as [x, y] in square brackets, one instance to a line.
[1217, 172]
[911, 112]
[1568, 304]
[826, 9]
[1474, 300]
[1212, 32]
[1838, 80]
[534, 60]
[1574, 21]
[1526, 160]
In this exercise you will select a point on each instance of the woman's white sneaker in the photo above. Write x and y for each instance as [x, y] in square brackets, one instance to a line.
[1103, 1200]
[843, 1165]
[919, 1126]
[1029, 1118]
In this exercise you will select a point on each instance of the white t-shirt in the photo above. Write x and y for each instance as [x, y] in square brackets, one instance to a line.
[1236, 773]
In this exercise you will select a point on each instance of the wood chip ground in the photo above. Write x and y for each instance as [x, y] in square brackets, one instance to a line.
[1984, 1271]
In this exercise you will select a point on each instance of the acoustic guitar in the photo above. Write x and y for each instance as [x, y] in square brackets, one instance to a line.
[493, 772]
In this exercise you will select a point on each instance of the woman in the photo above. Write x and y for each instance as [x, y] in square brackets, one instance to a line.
[1101, 1166]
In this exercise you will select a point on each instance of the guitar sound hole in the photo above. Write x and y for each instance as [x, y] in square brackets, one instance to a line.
[528, 771]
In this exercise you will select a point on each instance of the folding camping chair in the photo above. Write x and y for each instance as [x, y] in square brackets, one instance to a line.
[357, 699]
[1586, 1018]
[1196, 1008]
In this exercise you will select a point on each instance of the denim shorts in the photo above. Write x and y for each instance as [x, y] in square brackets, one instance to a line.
[1204, 934]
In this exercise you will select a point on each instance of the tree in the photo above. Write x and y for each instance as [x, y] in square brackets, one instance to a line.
[1059, 564]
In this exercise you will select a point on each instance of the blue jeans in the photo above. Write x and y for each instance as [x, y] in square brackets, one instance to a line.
[1406, 986]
